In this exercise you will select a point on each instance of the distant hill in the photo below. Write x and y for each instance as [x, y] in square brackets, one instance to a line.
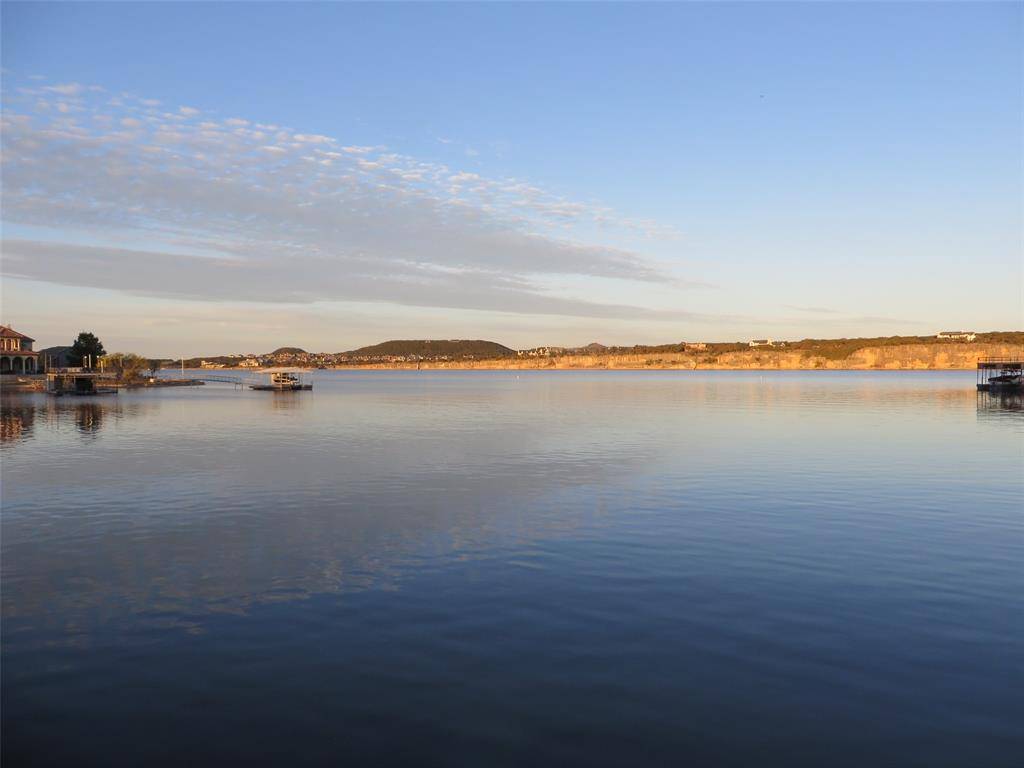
[453, 349]
[288, 351]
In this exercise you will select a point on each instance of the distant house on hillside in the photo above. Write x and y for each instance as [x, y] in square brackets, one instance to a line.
[761, 343]
[540, 352]
[958, 335]
[16, 355]
[697, 346]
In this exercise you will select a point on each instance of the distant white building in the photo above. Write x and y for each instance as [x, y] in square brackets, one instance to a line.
[761, 343]
[959, 335]
[540, 352]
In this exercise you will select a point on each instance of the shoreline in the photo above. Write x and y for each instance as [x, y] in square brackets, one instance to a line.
[625, 369]
[911, 356]
[908, 357]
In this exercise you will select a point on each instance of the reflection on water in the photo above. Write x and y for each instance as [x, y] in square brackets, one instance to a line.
[571, 567]
[16, 420]
[287, 401]
[86, 415]
[1000, 402]
[89, 417]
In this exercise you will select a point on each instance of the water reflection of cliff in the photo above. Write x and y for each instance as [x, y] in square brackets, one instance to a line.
[216, 508]
[204, 505]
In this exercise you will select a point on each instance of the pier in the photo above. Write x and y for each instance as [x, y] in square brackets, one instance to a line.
[1000, 373]
[271, 381]
[77, 381]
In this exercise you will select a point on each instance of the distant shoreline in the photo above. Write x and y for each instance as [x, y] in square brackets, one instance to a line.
[906, 357]
[624, 369]
[895, 352]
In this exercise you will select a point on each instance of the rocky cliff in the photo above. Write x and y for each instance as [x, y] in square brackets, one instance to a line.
[894, 357]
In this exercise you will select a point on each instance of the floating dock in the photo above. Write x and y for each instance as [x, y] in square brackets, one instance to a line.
[1000, 374]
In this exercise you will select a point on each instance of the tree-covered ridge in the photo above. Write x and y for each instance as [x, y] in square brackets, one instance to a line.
[451, 349]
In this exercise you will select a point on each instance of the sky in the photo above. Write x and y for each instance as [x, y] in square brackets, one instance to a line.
[195, 178]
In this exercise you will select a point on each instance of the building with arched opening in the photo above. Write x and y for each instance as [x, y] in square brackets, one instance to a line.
[16, 355]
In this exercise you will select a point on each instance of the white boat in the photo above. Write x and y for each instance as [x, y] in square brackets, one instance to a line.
[1006, 381]
[282, 382]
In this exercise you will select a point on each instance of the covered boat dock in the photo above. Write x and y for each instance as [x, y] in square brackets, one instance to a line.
[1000, 373]
[70, 381]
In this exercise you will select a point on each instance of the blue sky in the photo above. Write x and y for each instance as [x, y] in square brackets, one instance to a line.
[533, 173]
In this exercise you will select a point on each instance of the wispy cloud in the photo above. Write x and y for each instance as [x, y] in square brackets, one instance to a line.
[813, 310]
[65, 89]
[287, 215]
[295, 277]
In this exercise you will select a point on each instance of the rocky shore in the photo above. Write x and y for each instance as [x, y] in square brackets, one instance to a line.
[894, 357]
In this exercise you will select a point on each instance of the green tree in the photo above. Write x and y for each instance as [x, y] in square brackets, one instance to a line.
[154, 366]
[126, 365]
[86, 349]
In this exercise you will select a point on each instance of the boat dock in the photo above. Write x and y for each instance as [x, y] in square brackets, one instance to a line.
[997, 374]
[79, 381]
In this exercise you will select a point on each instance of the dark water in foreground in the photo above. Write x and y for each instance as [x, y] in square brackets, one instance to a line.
[477, 569]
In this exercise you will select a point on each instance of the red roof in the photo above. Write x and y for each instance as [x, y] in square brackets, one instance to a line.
[7, 331]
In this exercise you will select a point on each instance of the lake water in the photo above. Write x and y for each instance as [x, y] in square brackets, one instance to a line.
[486, 569]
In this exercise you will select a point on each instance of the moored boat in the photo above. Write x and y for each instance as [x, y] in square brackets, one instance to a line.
[282, 382]
[1005, 382]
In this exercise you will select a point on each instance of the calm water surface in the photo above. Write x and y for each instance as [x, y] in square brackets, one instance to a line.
[568, 568]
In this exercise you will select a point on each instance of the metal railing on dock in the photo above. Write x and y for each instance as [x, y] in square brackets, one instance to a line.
[218, 379]
[1018, 360]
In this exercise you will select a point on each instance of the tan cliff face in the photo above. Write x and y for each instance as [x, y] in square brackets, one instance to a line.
[896, 357]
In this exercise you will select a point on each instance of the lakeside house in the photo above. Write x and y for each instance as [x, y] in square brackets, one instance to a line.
[16, 355]
[957, 335]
